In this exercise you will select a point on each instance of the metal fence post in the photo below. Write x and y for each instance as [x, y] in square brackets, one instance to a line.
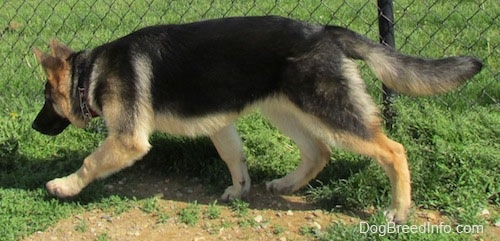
[386, 33]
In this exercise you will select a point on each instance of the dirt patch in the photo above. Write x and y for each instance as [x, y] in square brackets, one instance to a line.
[269, 217]
[137, 225]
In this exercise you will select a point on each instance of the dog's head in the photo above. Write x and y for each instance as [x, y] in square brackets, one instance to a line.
[56, 114]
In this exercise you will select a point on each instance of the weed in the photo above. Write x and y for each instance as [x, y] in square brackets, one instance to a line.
[226, 224]
[103, 237]
[162, 218]
[213, 211]
[190, 214]
[308, 231]
[240, 207]
[117, 204]
[82, 226]
[278, 229]
[246, 223]
[150, 205]
[342, 232]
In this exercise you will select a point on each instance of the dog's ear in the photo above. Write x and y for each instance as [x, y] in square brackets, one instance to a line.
[40, 55]
[50, 64]
[60, 50]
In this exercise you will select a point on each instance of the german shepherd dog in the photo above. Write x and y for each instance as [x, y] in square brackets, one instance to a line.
[198, 78]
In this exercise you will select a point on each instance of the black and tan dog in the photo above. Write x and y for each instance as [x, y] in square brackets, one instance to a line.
[198, 78]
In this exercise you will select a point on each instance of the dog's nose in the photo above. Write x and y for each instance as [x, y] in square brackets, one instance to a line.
[34, 126]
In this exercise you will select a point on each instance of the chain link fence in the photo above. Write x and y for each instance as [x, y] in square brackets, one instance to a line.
[427, 28]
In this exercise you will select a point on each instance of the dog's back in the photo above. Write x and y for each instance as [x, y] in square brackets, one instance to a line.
[196, 79]
[228, 63]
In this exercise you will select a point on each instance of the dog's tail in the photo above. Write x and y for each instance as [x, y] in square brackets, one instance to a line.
[406, 74]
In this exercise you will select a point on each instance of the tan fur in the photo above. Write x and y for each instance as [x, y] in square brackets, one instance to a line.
[230, 148]
[58, 76]
[392, 158]
[361, 99]
[59, 50]
[303, 130]
[114, 154]
[302, 77]
[407, 79]
[312, 136]
[192, 127]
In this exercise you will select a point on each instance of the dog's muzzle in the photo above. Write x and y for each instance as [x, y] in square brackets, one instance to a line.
[48, 122]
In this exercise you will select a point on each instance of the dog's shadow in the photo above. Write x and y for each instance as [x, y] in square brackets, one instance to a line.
[178, 169]
[189, 170]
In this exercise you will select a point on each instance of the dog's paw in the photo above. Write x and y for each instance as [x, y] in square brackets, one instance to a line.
[278, 186]
[396, 216]
[233, 193]
[63, 187]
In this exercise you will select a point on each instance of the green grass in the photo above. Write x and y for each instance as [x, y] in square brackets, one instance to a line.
[190, 215]
[239, 207]
[452, 140]
[150, 205]
[213, 211]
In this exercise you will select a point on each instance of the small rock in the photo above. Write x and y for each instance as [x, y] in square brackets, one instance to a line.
[282, 239]
[317, 212]
[258, 219]
[485, 212]
[317, 226]
[289, 213]
[107, 218]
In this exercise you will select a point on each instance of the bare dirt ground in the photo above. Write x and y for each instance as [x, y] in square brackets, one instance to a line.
[269, 217]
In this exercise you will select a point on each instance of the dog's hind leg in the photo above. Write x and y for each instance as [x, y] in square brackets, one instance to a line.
[314, 152]
[229, 146]
[114, 154]
[392, 157]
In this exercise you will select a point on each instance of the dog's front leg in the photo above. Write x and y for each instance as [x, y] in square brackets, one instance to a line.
[229, 146]
[114, 154]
